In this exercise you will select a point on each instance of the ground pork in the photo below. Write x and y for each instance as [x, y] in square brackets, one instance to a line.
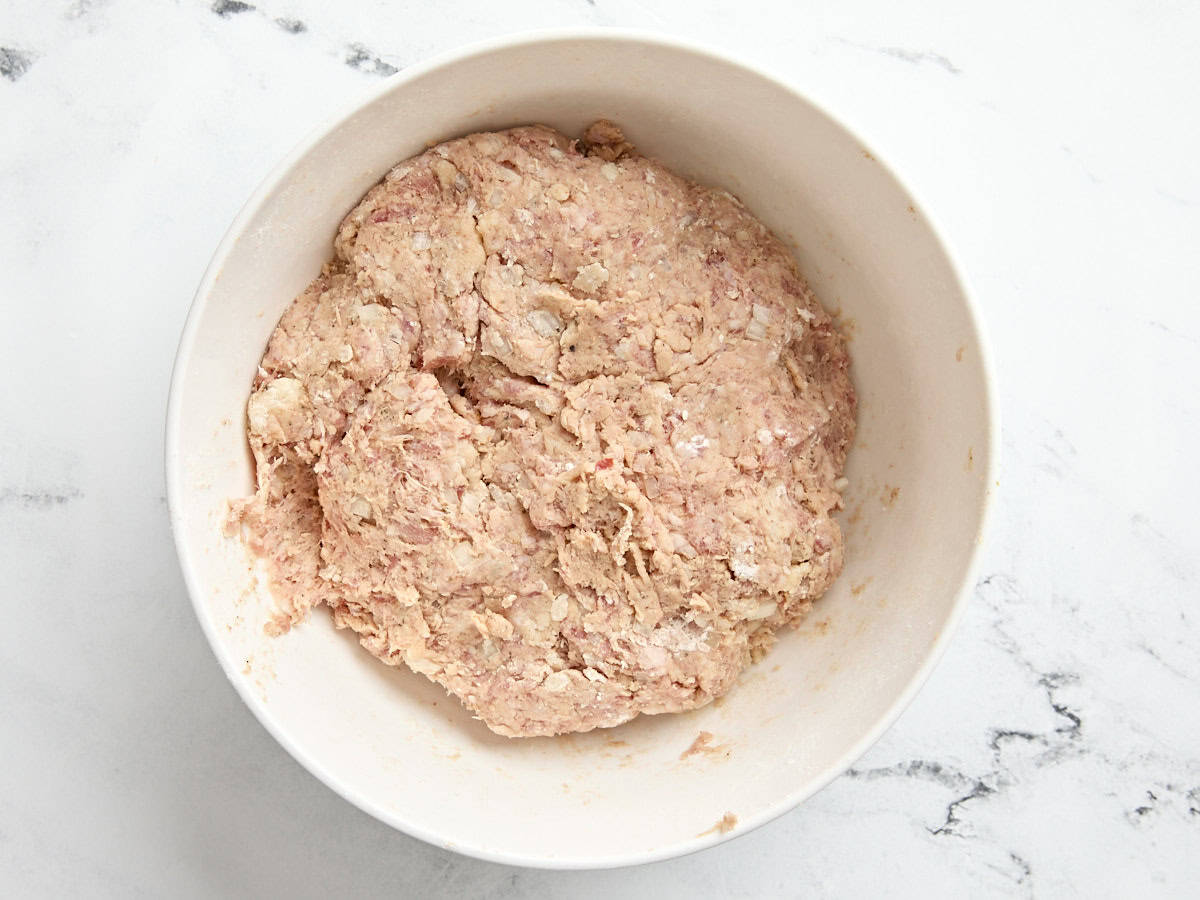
[557, 428]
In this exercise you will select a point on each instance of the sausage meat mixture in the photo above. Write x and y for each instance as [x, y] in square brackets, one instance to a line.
[557, 428]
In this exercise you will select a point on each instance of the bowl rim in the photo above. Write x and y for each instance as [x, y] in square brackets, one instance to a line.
[173, 456]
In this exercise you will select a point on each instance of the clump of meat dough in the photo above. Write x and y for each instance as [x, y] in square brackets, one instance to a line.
[557, 428]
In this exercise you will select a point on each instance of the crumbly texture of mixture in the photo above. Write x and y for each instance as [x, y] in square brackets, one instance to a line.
[557, 428]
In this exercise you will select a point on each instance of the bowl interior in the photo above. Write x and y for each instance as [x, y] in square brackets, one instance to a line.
[395, 744]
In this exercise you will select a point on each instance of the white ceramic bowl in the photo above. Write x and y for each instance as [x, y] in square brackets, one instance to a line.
[920, 474]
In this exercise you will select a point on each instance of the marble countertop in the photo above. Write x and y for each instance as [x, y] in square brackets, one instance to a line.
[1056, 749]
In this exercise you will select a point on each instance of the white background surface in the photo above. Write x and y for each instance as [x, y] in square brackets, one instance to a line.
[1055, 751]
